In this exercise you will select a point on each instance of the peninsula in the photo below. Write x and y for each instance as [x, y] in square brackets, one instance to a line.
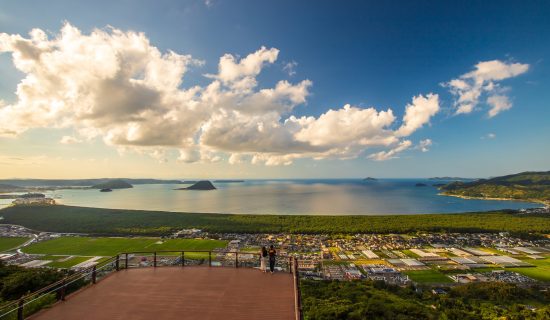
[527, 186]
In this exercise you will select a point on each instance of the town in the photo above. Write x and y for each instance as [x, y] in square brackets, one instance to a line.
[439, 259]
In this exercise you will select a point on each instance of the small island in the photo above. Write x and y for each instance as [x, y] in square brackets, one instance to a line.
[106, 190]
[370, 179]
[200, 185]
[420, 185]
[112, 184]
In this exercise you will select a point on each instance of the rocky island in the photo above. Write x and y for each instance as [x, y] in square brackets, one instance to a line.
[370, 179]
[200, 185]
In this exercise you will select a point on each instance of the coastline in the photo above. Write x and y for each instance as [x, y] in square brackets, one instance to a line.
[544, 203]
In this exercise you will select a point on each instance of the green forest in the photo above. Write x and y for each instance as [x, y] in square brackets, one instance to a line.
[97, 221]
[332, 300]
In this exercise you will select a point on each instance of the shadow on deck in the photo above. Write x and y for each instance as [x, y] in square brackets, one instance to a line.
[181, 293]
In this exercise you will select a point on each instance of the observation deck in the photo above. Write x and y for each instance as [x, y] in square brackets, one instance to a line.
[220, 285]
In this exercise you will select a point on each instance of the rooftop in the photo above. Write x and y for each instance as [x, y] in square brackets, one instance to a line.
[181, 293]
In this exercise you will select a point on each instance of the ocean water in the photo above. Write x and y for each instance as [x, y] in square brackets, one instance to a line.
[331, 196]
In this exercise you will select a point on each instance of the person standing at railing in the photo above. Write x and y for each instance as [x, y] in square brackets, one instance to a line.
[263, 259]
[272, 258]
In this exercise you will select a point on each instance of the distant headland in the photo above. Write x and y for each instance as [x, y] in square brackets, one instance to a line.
[370, 179]
[451, 178]
[525, 186]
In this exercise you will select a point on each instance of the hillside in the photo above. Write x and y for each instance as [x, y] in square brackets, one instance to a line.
[528, 186]
[77, 182]
[113, 184]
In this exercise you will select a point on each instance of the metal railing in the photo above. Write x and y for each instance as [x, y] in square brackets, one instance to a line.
[297, 293]
[57, 291]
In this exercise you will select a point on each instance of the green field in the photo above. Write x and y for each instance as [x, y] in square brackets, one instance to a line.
[86, 246]
[428, 276]
[97, 221]
[68, 263]
[410, 253]
[540, 272]
[10, 243]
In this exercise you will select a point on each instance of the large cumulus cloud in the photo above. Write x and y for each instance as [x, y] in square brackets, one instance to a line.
[116, 86]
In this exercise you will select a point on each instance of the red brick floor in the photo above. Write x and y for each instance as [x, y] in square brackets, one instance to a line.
[181, 293]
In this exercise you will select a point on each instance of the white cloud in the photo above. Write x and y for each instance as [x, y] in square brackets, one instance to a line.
[392, 153]
[489, 136]
[290, 68]
[231, 71]
[424, 145]
[116, 86]
[69, 140]
[498, 103]
[483, 80]
[419, 113]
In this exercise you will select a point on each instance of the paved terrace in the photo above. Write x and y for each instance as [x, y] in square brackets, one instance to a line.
[181, 293]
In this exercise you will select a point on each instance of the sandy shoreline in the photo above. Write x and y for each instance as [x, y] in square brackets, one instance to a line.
[501, 199]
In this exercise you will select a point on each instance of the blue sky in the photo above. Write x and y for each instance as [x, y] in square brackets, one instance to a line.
[365, 54]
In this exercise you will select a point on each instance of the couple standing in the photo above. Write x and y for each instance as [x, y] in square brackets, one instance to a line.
[272, 254]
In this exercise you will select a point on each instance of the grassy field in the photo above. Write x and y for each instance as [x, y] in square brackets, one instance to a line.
[86, 246]
[97, 221]
[428, 276]
[67, 263]
[410, 253]
[10, 243]
[540, 272]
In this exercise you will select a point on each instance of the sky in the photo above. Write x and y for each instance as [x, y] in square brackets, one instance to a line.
[273, 89]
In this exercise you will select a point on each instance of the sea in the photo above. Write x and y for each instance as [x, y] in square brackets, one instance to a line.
[308, 197]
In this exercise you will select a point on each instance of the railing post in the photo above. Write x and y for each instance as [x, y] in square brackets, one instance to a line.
[126, 261]
[20, 309]
[117, 263]
[236, 259]
[209, 258]
[94, 275]
[297, 294]
[182, 258]
[155, 259]
[62, 291]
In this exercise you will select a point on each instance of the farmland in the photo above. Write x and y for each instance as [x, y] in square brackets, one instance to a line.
[10, 243]
[540, 272]
[428, 276]
[87, 246]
